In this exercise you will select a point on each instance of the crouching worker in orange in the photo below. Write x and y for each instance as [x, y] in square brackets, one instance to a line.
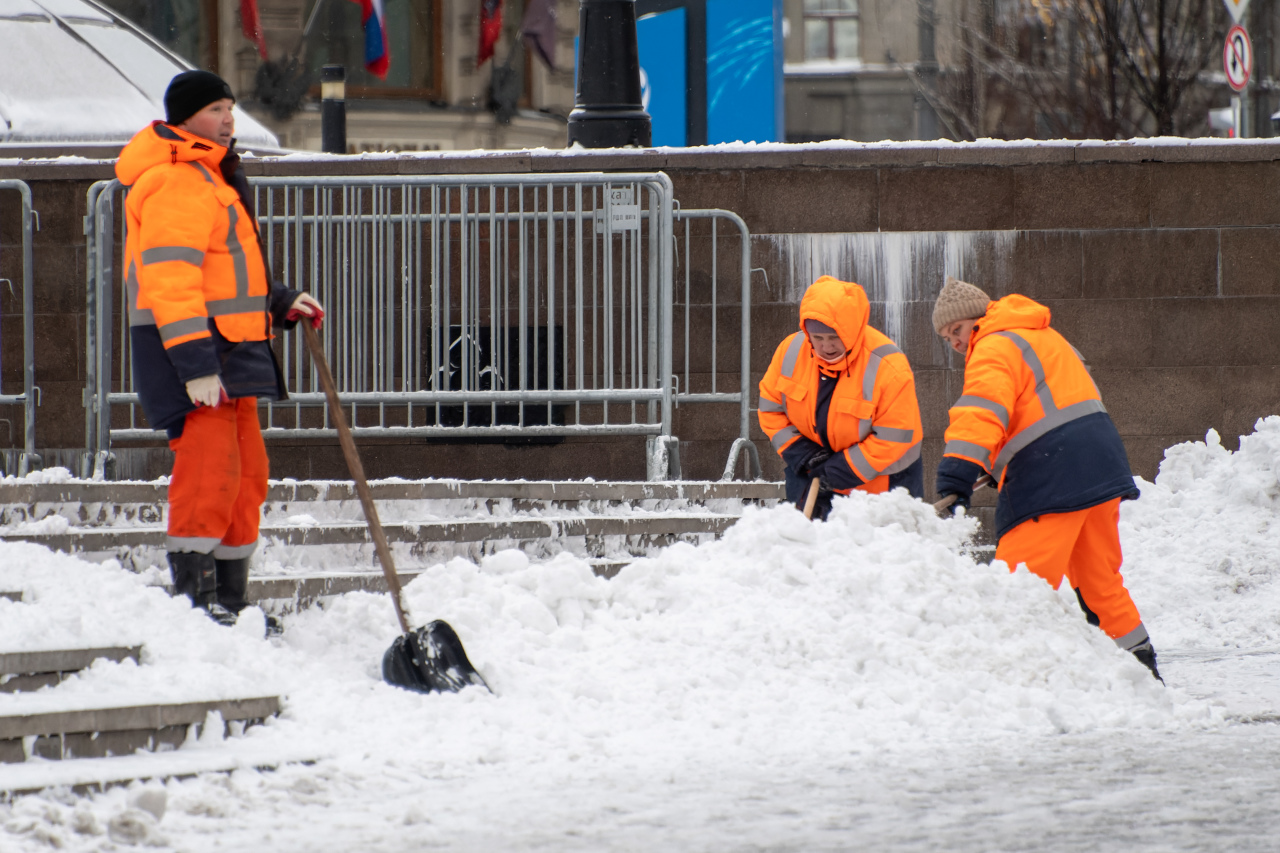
[1032, 418]
[839, 402]
[201, 308]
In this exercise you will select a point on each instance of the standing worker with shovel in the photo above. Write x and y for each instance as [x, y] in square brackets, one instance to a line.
[838, 402]
[201, 308]
[1032, 418]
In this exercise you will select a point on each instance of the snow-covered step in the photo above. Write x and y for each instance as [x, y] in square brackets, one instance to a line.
[115, 730]
[23, 671]
[90, 492]
[304, 590]
[311, 533]
[95, 774]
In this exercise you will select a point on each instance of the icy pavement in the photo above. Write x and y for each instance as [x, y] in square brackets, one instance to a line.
[859, 684]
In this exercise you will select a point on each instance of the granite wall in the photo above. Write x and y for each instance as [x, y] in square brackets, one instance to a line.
[1158, 261]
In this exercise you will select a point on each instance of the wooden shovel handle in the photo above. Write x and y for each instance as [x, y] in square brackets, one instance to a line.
[357, 470]
[812, 498]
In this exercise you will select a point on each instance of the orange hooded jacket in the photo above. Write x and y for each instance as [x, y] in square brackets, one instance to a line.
[192, 249]
[1032, 417]
[873, 419]
[200, 301]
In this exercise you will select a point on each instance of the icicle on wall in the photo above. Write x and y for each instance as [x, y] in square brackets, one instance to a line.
[895, 268]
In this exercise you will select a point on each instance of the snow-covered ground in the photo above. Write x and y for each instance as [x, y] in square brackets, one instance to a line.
[860, 684]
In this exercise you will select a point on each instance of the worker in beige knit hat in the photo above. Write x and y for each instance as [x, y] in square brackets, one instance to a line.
[1032, 418]
[959, 306]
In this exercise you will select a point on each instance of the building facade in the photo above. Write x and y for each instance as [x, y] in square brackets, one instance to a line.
[435, 96]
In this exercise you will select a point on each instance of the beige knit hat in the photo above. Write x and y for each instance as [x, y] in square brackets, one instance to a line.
[958, 300]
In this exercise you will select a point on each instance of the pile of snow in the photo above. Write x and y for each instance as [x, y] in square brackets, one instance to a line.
[786, 640]
[44, 475]
[1202, 544]
[785, 635]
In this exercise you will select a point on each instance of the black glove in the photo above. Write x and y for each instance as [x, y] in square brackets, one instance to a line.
[961, 500]
[811, 465]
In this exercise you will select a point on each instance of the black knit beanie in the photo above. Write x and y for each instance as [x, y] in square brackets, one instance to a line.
[192, 91]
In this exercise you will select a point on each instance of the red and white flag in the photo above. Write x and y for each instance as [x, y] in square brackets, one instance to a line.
[377, 53]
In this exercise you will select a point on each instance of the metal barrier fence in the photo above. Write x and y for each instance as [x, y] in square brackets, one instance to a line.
[29, 398]
[742, 445]
[469, 306]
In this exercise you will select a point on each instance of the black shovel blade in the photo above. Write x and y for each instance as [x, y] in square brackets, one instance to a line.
[430, 660]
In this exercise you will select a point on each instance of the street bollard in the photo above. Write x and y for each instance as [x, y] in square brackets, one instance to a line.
[333, 109]
[608, 111]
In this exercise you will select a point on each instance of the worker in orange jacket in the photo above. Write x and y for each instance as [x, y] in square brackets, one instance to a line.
[1032, 418]
[838, 401]
[201, 308]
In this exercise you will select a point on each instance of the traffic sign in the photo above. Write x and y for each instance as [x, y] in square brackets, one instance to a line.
[1236, 8]
[1237, 58]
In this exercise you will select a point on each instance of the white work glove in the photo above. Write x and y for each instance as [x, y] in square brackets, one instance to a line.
[206, 390]
[306, 306]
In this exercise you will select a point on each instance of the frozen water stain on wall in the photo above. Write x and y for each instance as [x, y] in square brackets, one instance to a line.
[895, 267]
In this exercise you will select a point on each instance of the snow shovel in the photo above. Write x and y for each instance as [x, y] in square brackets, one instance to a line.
[430, 659]
[945, 503]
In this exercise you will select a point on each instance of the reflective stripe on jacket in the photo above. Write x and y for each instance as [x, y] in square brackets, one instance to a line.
[873, 421]
[1032, 417]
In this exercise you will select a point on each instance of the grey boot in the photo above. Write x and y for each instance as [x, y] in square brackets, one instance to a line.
[195, 576]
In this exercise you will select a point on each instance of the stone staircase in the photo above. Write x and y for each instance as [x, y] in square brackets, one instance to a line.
[314, 544]
[50, 741]
[315, 541]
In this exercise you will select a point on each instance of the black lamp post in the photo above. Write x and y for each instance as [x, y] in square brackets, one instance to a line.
[607, 110]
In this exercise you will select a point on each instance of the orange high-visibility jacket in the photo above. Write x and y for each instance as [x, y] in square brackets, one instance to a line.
[192, 249]
[199, 298]
[873, 420]
[1032, 417]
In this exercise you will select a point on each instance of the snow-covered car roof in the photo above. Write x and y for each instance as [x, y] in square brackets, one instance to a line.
[72, 71]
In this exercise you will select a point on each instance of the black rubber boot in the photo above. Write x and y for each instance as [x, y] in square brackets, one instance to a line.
[233, 588]
[1146, 655]
[196, 577]
[233, 583]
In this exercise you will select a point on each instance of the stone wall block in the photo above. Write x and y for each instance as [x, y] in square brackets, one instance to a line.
[1220, 331]
[1200, 195]
[808, 201]
[1249, 261]
[1048, 265]
[931, 392]
[1109, 333]
[1162, 401]
[1255, 393]
[1072, 196]
[1150, 263]
[946, 199]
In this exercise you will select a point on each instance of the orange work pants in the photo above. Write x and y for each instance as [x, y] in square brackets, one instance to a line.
[1085, 547]
[219, 481]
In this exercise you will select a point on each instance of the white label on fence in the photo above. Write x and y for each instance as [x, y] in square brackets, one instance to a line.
[624, 213]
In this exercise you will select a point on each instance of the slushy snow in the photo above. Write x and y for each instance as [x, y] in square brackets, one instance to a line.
[696, 700]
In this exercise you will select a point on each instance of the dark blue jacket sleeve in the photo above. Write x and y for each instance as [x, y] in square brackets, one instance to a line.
[281, 299]
[194, 359]
[956, 476]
